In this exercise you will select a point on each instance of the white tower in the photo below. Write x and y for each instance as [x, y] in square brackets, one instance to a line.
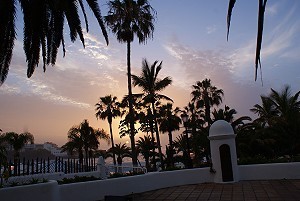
[223, 152]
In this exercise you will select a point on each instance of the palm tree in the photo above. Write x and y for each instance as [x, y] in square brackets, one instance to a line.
[128, 18]
[147, 124]
[43, 29]
[181, 146]
[3, 157]
[206, 95]
[266, 111]
[124, 125]
[121, 150]
[18, 141]
[151, 85]
[108, 108]
[169, 121]
[228, 115]
[84, 138]
[260, 27]
[288, 108]
[146, 146]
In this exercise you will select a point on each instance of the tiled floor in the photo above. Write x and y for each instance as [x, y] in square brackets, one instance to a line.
[279, 190]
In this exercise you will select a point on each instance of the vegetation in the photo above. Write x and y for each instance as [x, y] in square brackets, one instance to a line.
[127, 19]
[169, 121]
[273, 136]
[84, 138]
[44, 23]
[108, 108]
[121, 151]
[17, 141]
[260, 26]
[150, 84]
[146, 147]
[77, 179]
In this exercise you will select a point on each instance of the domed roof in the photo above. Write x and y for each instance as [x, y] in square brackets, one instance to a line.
[219, 128]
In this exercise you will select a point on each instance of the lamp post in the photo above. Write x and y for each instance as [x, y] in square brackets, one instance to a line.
[185, 118]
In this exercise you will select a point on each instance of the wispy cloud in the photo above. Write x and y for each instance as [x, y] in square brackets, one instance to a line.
[272, 9]
[278, 42]
[211, 29]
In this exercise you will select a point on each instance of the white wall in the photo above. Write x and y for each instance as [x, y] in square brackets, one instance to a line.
[270, 171]
[96, 190]
[36, 192]
[133, 184]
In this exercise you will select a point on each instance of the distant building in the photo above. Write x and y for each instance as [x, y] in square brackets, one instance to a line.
[50, 146]
[54, 149]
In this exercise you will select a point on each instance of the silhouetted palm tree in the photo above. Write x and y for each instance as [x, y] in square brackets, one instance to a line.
[228, 115]
[266, 111]
[150, 84]
[43, 29]
[121, 150]
[206, 95]
[108, 108]
[84, 138]
[129, 18]
[147, 125]
[146, 146]
[18, 141]
[180, 144]
[3, 151]
[169, 121]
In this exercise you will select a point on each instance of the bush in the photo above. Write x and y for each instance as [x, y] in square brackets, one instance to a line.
[117, 174]
[77, 179]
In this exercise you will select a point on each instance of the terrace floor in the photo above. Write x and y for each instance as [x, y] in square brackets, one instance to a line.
[279, 190]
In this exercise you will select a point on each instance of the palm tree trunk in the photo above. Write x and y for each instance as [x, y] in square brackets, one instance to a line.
[207, 111]
[86, 158]
[112, 142]
[134, 155]
[171, 148]
[157, 137]
[153, 140]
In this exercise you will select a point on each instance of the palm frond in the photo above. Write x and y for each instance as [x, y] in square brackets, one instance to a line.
[229, 13]
[260, 27]
[7, 36]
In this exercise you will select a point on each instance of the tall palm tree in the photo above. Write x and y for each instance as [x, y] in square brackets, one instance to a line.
[145, 146]
[129, 18]
[18, 141]
[169, 122]
[206, 95]
[43, 29]
[150, 84]
[108, 108]
[121, 150]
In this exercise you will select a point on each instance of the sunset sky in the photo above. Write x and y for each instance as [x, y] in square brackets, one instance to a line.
[190, 39]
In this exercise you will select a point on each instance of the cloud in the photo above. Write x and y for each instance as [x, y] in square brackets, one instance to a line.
[211, 29]
[272, 10]
[198, 64]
